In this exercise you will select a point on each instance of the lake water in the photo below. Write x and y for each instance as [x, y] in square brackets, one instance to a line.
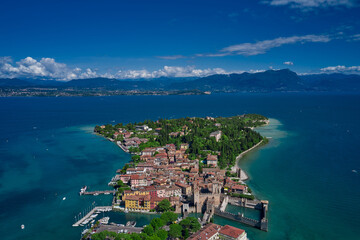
[309, 171]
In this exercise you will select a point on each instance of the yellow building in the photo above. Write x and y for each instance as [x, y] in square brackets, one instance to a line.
[134, 193]
[138, 202]
[144, 203]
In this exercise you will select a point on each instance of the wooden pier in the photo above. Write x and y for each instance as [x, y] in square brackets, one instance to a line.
[98, 192]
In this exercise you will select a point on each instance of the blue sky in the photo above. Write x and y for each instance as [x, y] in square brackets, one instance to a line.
[129, 39]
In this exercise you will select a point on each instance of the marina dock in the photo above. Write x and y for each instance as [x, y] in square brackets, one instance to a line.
[87, 216]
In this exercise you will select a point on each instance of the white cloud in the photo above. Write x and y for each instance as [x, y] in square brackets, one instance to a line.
[261, 47]
[355, 37]
[169, 71]
[48, 68]
[4, 60]
[310, 4]
[88, 74]
[341, 69]
[288, 63]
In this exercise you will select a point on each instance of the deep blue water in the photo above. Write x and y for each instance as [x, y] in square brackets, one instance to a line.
[48, 151]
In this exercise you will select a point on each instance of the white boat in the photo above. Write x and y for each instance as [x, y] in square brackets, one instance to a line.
[64, 198]
[22, 226]
[83, 189]
[104, 220]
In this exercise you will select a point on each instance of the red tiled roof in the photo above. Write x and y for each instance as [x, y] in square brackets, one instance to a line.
[205, 233]
[212, 157]
[137, 177]
[157, 199]
[231, 231]
[238, 187]
[182, 185]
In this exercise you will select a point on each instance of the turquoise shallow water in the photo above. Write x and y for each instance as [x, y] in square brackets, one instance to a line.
[48, 151]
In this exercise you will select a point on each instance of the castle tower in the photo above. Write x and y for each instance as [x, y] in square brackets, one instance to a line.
[196, 197]
[216, 188]
[216, 192]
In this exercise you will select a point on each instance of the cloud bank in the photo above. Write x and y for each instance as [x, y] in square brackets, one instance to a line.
[48, 68]
[261, 47]
[310, 4]
[288, 63]
[341, 69]
[169, 71]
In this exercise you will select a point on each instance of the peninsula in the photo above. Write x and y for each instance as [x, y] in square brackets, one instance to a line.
[186, 166]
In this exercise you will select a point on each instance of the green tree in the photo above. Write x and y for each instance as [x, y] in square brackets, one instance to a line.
[190, 223]
[185, 233]
[164, 206]
[156, 223]
[162, 234]
[168, 217]
[175, 230]
[122, 236]
[153, 237]
[135, 236]
[135, 158]
[120, 184]
[149, 230]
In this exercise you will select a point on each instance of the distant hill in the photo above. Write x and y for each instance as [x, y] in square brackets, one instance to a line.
[269, 81]
[332, 82]
[14, 82]
[280, 80]
[139, 84]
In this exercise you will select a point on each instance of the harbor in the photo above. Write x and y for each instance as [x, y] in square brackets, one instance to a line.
[220, 211]
[91, 215]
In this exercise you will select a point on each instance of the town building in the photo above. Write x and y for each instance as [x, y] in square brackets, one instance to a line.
[142, 202]
[213, 231]
[142, 128]
[216, 135]
[212, 160]
[208, 232]
[228, 232]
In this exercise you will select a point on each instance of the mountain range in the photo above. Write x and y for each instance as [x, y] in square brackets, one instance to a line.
[283, 80]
